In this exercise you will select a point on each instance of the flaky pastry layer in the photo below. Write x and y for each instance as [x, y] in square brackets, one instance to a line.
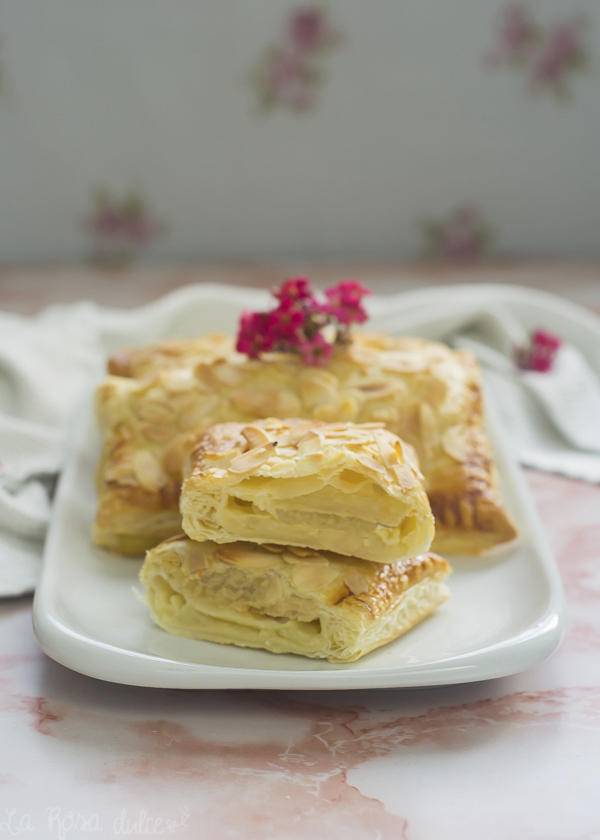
[288, 600]
[427, 394]
[353, 489]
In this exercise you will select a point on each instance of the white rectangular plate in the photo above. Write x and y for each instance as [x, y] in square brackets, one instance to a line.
[505, 614]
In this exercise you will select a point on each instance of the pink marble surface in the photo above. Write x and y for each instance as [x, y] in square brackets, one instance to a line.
[510, 759]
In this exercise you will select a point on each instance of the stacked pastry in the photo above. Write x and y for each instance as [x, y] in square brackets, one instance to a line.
[427, 394]
[300, 537]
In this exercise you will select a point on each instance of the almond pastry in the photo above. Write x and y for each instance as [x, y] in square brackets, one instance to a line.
[427, 394]
[357, 493]
[243, 594]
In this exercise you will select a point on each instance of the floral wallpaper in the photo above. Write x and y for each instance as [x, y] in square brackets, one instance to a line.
[289, 73]
[463, 236]
[548, 56]
[120, 227]
[383, 113]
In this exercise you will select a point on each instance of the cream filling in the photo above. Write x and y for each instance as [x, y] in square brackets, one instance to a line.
[336, 634]
[302, 525]
[348, 494]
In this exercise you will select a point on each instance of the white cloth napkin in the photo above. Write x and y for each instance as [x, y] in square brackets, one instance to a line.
[553, 417]
[47, 363]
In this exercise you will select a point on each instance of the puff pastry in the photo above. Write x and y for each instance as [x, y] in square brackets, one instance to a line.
[427, 394]
[288, 600]
[337, 486]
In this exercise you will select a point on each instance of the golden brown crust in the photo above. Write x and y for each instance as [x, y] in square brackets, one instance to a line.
[141, 361]
[288, 600]
[427, 394]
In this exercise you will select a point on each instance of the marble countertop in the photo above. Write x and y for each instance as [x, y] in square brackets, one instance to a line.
[516, 758]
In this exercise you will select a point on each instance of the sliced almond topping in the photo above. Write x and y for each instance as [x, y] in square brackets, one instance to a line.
[172, 459]
[312, 441]
[345, 434]
[256, 436]
[180, 381]
[195, 560]
[227, 373]
[286, 404]
[157, 434]
[388, 453]
[317, 388]
[356, 582]
[410, 457]
[351, 441]
[204, 373]
[402, 361]
[348, 408]
[286, 452]
[362, 355]
[316, 457]
[198, 413]
[220, 460]
[427, 420]
[454, 443]
[266, 402]
[253, 459]
[121, 472]
[243, 555]
[147, 470]
[274, 424]
[370, 463]
[154, 411]
[404, 476]
[374, 390]
[310, 578]
[182, 402]
[272, 592]
[291, 437]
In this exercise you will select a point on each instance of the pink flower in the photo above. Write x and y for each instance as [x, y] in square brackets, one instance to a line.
[461, 237]
[287, 80]
[285, 322]
[345, 302]
[253, 337]
[120, 228]
[541, 353]
[289, 73]
[298, 289]
[308, 29]
[517, 33]
[107, 222]
[316, 350]
[301, 323]
[560, 52]
[547, 55]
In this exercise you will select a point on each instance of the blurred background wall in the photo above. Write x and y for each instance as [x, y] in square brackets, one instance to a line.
[178, 130]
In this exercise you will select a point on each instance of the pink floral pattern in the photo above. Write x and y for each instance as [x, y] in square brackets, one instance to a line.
[546, 56]
[289, 74]
[120, 228]
[461, 237]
